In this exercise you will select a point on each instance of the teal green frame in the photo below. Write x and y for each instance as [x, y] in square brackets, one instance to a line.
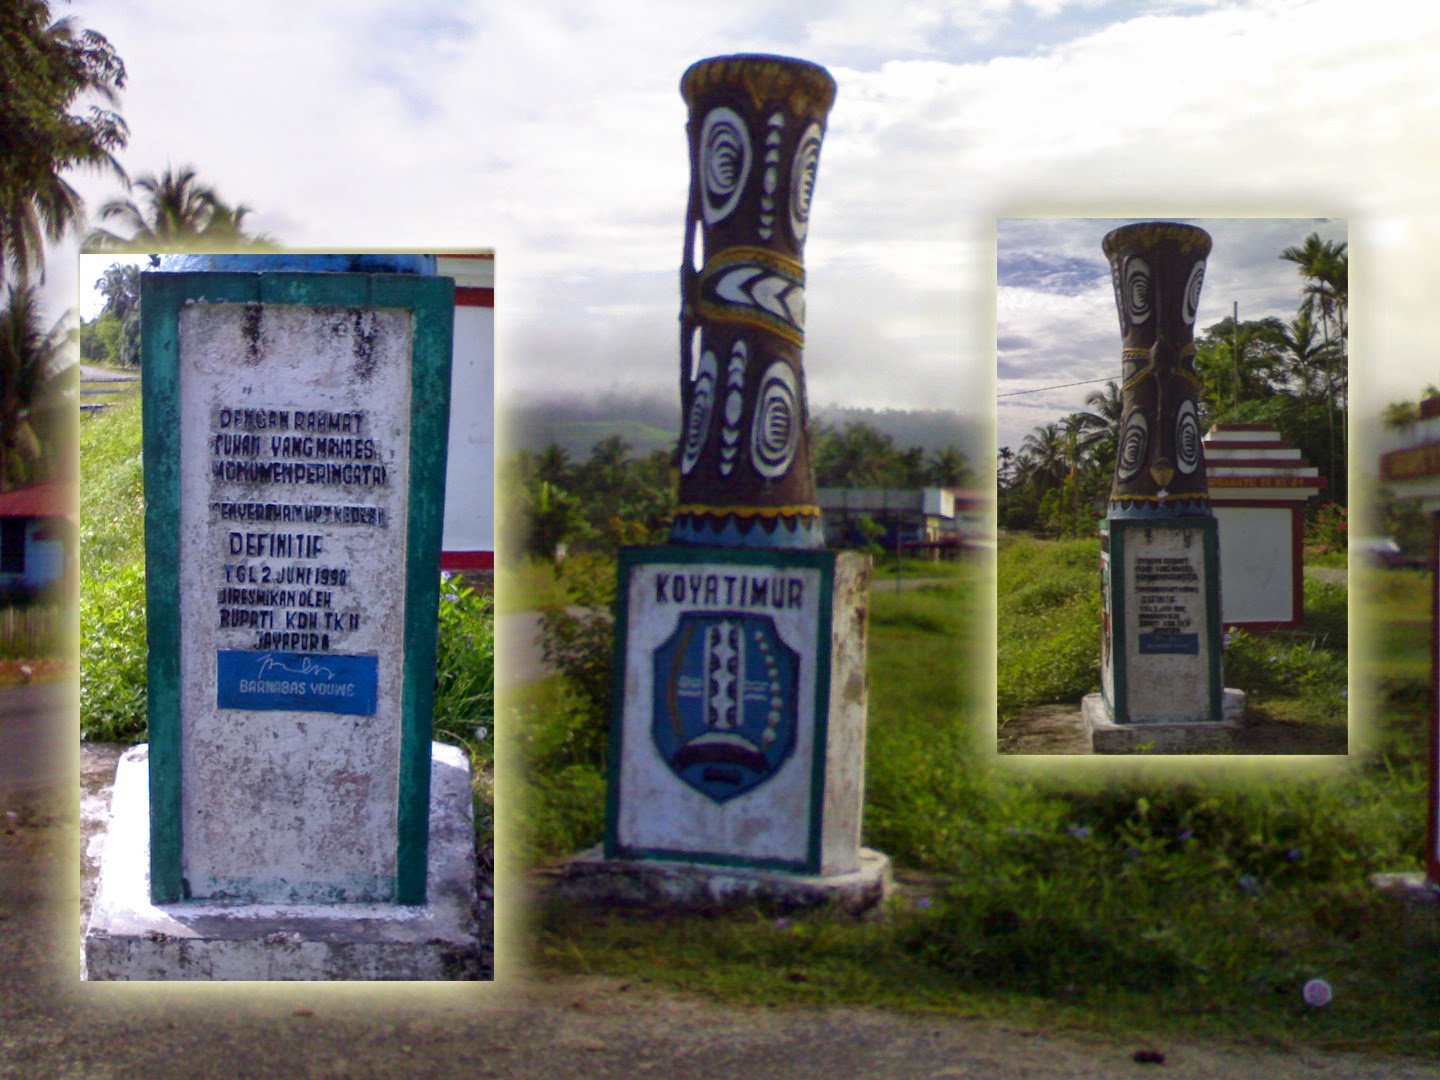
[1210, 543]
[431, 302]
[630, 559]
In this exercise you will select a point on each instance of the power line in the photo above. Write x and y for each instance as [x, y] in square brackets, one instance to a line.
[1062, 386]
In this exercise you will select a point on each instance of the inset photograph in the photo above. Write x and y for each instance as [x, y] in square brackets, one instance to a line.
[287, 631]
[1171, 419]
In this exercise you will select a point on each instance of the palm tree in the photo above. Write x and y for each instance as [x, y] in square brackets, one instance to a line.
[1106, 406]
[1007, 462]
[1305, 355]
[177, 211]
[44, 67]
[552, 465]
[1325, 266]
[1043, 455]
[947, 468]
[28, 358]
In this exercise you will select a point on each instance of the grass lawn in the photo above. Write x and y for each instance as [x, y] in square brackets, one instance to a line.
[1137, 900]
[1049, 618]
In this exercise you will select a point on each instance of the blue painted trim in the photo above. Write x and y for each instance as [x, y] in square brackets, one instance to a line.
[802, 534]
[298, 262]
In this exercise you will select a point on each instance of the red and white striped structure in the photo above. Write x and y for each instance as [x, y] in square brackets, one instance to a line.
[1258, 488]
[469, 539]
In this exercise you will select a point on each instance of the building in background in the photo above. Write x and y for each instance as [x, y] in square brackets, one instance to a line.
[932, 522]
[469, 539]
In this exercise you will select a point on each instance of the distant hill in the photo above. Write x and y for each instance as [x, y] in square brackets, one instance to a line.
[930, 429]
[576, 426]
[648, 424]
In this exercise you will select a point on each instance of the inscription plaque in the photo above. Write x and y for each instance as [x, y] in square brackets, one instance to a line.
[295, 454]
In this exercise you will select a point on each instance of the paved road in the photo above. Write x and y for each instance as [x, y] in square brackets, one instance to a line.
[36, 745]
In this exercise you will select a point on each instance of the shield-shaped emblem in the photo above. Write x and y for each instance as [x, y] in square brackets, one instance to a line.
[725, 702]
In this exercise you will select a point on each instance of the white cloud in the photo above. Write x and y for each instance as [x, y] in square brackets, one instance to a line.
[554, 132]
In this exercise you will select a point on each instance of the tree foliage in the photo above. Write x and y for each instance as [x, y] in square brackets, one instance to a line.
[557, 507]
[174, 211]
[45, 69]
[29, 355]
[860, 455]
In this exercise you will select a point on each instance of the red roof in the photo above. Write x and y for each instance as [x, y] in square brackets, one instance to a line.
[54, 498]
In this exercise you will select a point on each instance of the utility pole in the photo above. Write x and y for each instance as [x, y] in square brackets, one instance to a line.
[1235, 339]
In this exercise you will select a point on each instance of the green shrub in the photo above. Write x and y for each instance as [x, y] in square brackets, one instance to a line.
[465, 669]
[112, 653]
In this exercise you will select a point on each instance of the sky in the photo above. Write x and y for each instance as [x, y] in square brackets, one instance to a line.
[553, 132]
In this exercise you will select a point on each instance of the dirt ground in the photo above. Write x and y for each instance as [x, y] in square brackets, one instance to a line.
[526, 1024]
[1057, 729]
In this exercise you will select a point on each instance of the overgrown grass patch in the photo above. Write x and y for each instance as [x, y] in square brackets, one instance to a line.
[1049, 637]
[1049, 621]
[112, 576]
[1133, 903]
[526, 583]
[558, 806]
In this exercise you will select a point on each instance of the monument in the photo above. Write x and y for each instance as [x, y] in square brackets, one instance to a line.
[294, 816]
[1161, 682]
[737, 745]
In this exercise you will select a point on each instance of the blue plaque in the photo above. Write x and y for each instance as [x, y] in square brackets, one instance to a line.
[297, 682]
[1161, 643]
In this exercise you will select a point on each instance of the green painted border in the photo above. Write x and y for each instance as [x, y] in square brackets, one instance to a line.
[820, 759]
[632, 557]
[1215, 620]
[161, 298]
[1118, 665]
[431, 302]
[1210, 554]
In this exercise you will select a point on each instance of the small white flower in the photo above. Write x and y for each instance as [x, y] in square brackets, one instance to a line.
[1317, 993]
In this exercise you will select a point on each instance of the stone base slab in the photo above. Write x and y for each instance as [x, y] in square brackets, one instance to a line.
[680, 886]
[1411, 888]
[1191, 737]
[130, 938]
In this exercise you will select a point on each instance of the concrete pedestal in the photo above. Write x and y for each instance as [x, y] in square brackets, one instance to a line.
[680, 886]
[130, 938]
[1176, 737]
